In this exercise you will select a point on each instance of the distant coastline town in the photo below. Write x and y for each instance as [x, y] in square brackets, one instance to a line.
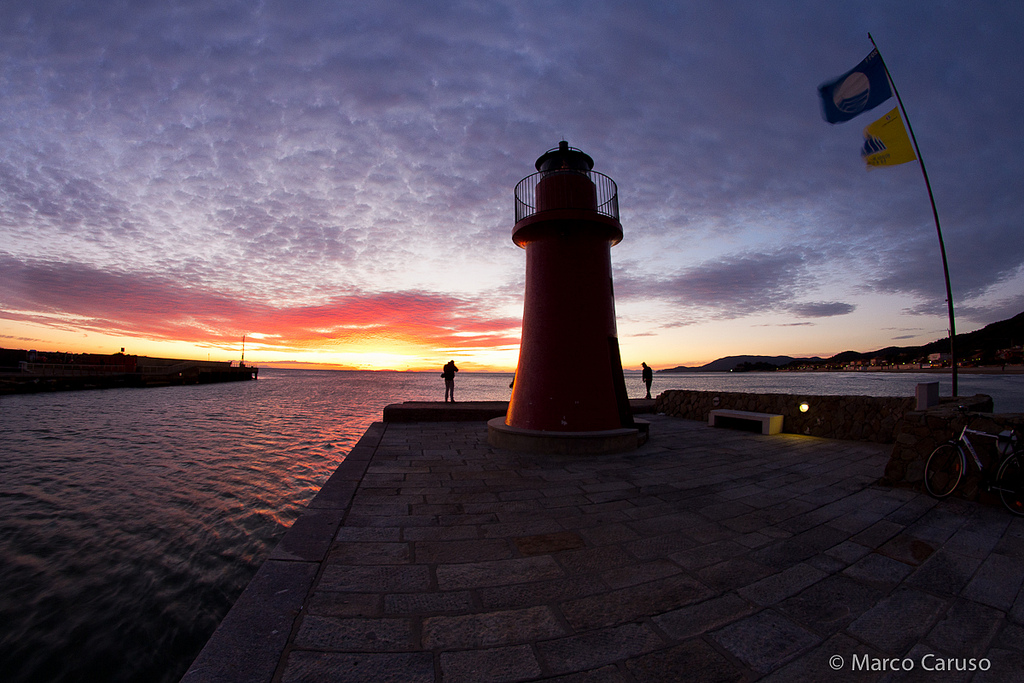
[994, 348]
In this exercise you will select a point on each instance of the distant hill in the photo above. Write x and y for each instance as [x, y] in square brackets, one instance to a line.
[981, 347]
[733, 362]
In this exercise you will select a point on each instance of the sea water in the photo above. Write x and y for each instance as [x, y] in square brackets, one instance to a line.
[131, 519]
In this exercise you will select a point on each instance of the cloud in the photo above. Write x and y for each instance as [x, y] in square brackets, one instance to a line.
[821, 309]
[733, 286]
[73, 296]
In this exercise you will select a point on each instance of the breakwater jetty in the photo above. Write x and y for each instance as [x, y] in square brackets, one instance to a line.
[27, 372]
[704, 554]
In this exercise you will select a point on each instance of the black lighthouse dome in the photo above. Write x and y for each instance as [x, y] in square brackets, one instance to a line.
[564, 158]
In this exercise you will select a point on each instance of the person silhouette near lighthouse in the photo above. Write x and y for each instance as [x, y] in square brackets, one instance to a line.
[449, 380]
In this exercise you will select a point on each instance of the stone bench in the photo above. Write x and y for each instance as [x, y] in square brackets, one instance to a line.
[746, 420]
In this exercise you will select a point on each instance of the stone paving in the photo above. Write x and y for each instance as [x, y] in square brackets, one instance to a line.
[705, 555]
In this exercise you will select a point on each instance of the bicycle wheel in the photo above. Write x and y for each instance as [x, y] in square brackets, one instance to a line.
[943, 469]
[1010, 482]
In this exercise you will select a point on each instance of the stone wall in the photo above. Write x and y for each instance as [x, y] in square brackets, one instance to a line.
[914, 434]
[921, 431]
[859, 418]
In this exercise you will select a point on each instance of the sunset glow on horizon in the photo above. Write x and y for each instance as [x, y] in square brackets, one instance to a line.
[335, 181]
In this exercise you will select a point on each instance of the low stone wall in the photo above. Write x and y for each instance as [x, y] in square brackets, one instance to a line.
[921, 431]
[859, 418]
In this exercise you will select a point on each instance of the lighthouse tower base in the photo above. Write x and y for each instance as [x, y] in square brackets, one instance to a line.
[501, 435]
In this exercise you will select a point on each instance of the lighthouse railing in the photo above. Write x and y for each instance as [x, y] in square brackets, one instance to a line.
[526, 195]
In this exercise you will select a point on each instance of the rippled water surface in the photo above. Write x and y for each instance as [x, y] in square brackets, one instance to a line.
[131, 519]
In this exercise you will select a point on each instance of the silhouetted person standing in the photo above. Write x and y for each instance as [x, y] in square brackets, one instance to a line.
[449, 380]
[648, 378]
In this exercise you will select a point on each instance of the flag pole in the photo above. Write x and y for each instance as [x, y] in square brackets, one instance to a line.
[935, 213]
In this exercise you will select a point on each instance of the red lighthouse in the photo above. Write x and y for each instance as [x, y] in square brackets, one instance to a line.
[569, 394]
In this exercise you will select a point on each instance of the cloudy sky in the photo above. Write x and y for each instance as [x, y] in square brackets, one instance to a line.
[334, 179]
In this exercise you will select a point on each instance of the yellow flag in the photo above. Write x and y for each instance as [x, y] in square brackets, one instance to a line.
[886, 142]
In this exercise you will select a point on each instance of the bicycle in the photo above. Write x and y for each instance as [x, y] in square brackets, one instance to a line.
[947, 463]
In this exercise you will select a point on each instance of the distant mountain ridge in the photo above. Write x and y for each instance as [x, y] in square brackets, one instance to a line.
[980, 347]
[731, 362]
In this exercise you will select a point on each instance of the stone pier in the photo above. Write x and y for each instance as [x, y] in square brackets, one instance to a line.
[704, 555]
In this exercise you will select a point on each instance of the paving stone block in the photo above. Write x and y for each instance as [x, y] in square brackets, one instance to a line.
[822, 537]
[427, 604]
[784, 553]
[765, 640]
[439, 533]
[996, 582]
[357, 519]
[752, 521]
[877, 534]
[879, 571]
[827, 563]
[967, 629]
[971, 543]
[1011, 637]
[733, 573]
[475, 550]
[933, 535]
[702, 617]
[674, 521]
[597, 648]
[694, 660]
[634, 574]
[776, 587]
[464, 519]
[1006, 665]
[316, 667]
[544, 544]
[540, 593]
[339, 634]
[497, 573]
[370, 553]
[755, 539]
[525, 527]
[377, 579]
[593, 560]
[907, 549]
[898, 621]
[1010, 546]
[615, 607]
[662, 545]
[490, 629]
[705, 555]
[831, 604]
[395, 509]
[607, 534]
[497, 665]
[855, 522]
[330, 604]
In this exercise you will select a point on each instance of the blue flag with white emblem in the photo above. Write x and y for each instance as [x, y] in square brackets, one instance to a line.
[863, 87]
